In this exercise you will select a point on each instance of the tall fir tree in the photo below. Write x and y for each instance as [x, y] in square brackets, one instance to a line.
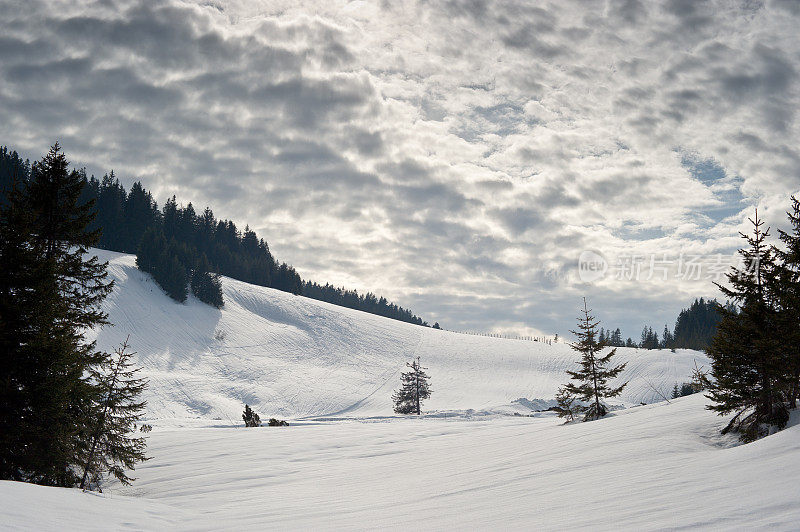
[141, 213]
[787, 296]
[413, 390]
[747, 364]
[616, 338]
[591, 380]
[52, 292]
[21, 280]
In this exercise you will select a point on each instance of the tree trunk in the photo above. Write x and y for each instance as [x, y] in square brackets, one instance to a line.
[416, 382]
[596, 395]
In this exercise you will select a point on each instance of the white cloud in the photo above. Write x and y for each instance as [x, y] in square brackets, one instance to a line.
[452, 156]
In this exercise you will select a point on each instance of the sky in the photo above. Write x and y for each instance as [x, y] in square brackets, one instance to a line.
[486, 164]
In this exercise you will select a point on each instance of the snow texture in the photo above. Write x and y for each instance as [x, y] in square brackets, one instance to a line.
[660, 466]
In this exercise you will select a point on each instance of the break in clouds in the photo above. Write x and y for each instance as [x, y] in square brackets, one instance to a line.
[456, 157]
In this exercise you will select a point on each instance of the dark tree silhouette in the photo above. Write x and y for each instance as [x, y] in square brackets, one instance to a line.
[51, 294]
[747, 363]
[413, 390]
[787, 298]
[250, 418]
[126, 218]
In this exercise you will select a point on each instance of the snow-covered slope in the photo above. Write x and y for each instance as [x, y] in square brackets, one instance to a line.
[290, 356]
[351, 465]
[652, 467]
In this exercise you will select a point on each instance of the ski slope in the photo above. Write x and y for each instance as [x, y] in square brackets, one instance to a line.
[655, 467]
[293, 357]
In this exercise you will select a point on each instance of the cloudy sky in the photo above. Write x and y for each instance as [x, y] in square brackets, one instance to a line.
[457, 157]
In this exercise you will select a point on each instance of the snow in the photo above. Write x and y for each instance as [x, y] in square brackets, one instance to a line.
[346, 462]
[292, 357]
[650, 467]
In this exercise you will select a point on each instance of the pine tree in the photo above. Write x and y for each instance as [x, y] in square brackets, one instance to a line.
[151, 246]
[696, 325]
[52, 291]
[206, 286]
[250, 418]
[787, 294]
[629, 342]
[649, 339]
[747, 363]
[413, 390]
[13, 172]
[592, 378]
[141, 214]
[616, 339]
[20, 279]
[114, 448]
[111, 213]
[667, 340]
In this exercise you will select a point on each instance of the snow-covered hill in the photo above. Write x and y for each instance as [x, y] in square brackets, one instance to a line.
[289, 356]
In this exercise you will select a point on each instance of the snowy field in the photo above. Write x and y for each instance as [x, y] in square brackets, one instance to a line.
[346, 462]
[660, 466]
[292, 357]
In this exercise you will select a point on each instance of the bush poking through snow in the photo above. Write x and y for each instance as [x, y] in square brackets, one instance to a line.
[251, 419]
[274, 422]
